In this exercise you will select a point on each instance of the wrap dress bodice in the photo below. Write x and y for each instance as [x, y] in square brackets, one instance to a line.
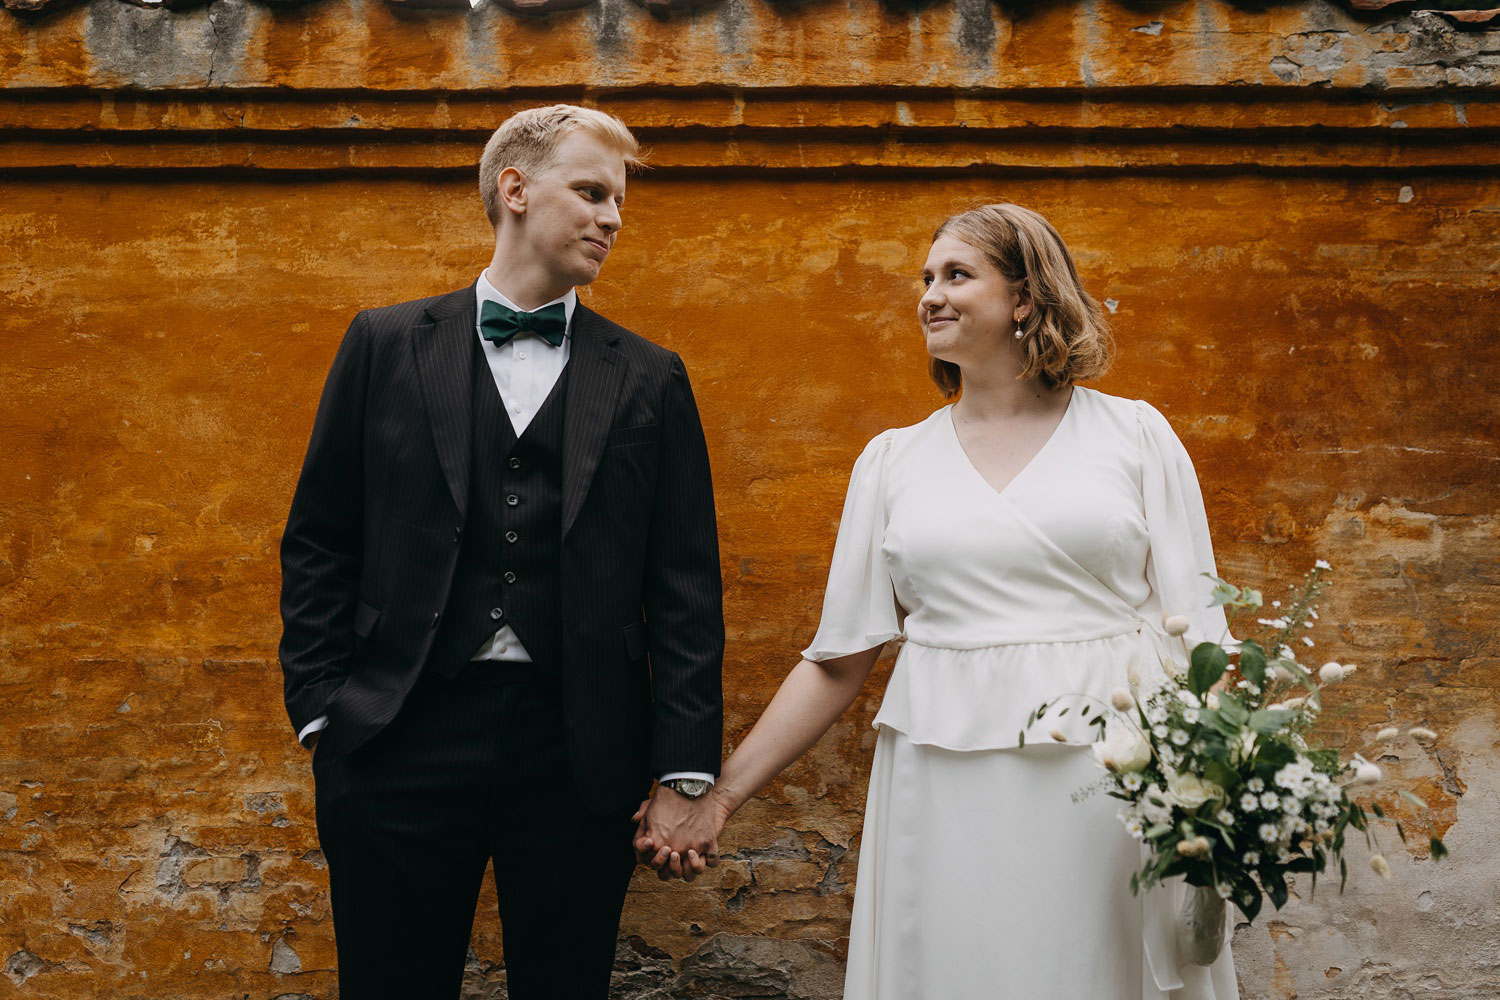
[999, 600]
[1050, 588]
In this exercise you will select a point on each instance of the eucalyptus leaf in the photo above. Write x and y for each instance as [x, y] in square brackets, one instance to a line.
[1253, 662]
[1233, 710]
[1207, 664]
[1224, 592]
[1267, 721]
[1408, 796]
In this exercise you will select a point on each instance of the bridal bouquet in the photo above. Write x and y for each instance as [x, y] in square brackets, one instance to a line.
[1217, 775]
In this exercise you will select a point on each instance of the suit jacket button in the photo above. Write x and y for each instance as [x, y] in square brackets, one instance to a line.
[512, 499]
[457, 534]
[511, 536]
[515, 463]
[510, 577]
[496, 614]
[435, 616]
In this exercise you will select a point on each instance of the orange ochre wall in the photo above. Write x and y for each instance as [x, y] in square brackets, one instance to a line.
[1308, 294]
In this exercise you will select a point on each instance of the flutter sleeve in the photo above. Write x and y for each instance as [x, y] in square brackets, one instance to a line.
[1177, 525]
[860, 610]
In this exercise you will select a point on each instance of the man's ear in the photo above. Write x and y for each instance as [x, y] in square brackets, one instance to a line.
[512, 184]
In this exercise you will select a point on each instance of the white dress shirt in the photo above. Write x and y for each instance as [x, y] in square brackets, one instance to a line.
[525, 369]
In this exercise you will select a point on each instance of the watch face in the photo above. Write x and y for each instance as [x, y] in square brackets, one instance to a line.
[691, 787]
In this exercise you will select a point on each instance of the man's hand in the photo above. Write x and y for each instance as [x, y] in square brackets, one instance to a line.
[678, 836]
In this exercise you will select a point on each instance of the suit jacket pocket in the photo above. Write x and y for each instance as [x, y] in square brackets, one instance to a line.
[635, 640]
[620, 437]
[365, 618]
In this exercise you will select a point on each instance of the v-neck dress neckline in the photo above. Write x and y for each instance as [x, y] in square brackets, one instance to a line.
[1035, 458]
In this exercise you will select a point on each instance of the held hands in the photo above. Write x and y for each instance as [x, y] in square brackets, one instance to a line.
[679, 836]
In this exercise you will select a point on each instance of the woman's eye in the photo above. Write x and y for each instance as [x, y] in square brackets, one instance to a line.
[926, 281]
[961, 274]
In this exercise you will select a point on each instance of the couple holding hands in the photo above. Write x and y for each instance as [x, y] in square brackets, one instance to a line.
[502, 619]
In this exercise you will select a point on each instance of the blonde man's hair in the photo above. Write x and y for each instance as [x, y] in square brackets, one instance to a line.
[1065, 338]
[528, 141]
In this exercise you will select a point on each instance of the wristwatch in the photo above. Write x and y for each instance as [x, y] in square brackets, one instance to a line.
[689, 788]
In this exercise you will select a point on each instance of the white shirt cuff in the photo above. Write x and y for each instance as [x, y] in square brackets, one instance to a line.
[315, 726]
[695, 775]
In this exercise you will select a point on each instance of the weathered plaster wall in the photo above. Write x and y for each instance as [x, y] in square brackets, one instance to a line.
[1301, 273]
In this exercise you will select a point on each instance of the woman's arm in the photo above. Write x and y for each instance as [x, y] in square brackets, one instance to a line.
[808, 702]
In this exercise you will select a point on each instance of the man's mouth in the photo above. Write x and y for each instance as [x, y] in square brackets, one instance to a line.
[600, 244]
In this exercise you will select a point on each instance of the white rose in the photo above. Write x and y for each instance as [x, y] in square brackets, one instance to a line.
[1123, 750]
[1189, 791]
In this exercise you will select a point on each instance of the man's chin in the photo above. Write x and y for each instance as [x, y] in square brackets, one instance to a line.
[586, 274]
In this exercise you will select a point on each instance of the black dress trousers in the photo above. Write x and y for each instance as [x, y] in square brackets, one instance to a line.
[472, 768]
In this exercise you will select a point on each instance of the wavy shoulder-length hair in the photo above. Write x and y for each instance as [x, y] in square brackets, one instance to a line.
[1065, 338]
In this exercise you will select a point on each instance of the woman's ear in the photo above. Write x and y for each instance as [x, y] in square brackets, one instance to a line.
[1023, 302]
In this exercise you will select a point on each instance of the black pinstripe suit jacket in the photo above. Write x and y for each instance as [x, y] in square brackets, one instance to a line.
[375, 526]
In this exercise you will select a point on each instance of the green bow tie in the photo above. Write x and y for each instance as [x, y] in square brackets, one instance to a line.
[499, 323]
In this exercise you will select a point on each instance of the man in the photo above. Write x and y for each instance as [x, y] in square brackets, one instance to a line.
[501, 598]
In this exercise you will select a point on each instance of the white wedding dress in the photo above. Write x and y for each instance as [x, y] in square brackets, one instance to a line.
[979, 876]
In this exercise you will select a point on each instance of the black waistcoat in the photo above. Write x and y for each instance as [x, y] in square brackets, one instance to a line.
[508, 561]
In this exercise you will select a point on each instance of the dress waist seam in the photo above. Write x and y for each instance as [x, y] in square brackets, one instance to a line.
[1133, 629]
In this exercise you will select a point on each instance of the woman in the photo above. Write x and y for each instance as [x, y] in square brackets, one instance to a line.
[1024, 542]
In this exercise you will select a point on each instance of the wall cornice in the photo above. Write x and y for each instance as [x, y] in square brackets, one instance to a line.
[371, 45]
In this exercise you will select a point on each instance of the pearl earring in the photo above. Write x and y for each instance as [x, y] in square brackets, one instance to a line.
[1019, 332]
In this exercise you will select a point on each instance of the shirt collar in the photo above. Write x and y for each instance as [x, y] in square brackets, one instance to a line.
[488, 292]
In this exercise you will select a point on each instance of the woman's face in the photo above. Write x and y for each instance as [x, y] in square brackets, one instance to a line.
[969, 310]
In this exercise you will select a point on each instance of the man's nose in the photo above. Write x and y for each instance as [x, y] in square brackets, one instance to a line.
[609, 219]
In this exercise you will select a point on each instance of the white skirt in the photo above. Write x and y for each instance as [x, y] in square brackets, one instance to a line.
[981, 879]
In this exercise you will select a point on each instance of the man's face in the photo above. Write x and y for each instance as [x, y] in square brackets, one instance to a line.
[573, 209]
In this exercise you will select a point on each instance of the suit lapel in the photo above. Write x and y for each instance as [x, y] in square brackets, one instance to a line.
[444, 353]
[596, 370]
